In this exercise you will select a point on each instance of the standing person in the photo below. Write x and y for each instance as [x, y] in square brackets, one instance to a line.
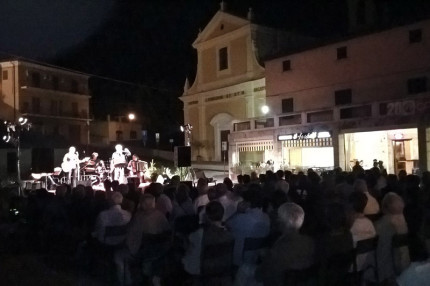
[119, 162]
[70, 165]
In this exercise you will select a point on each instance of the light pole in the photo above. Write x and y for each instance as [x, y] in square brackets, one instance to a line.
[13, 136]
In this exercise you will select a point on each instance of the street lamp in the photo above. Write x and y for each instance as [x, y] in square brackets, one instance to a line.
[187, 132]
[265, 109]
[13, 136]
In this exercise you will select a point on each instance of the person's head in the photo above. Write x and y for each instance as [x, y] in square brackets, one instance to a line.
[214, 211]
[247, 179]
[280, 174]
[147, 202]
[175, 180]
[392, 204]
[94, 155]
[358, 201]
[221, 189]
[118, 148]
[116, 198]
[253, 196]
[123, 189]
[254, 176]
[61, 190]
[202, 186]
[154, 177]
[239, 179]
[182, 194]
[72, 150]
[228, 183]
[212, 194]
[135, 157]
[291, 216]
[155, 189]
[282, 186]
[360, 186]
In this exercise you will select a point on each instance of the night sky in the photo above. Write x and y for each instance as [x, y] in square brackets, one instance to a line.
[141, 49]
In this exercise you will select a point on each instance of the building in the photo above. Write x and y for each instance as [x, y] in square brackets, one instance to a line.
[56, 101]
[115, 131]
[357, 99]
[230, 80]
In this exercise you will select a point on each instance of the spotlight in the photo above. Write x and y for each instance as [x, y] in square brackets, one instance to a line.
[7, 138]
[22, 120]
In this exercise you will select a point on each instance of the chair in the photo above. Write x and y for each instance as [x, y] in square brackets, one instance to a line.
[254, 244]
[365, 246]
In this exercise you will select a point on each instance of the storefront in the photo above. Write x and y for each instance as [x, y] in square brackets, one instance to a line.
[301, 151]
[398, 149]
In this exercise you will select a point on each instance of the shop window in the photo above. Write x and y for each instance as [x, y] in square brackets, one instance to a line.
[35, 79]
[417, 85]
[4, 75]
[287, 105]
[286, 65]
[415, 36]
[320, 116]
[133, 135]
[343, 96]
[290, 120]
[356, 112]
[342, 53]
[223, 59]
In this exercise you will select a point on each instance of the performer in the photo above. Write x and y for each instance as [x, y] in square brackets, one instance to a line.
[70, 166]
[137, 168]
[95, 165]
[119, 162]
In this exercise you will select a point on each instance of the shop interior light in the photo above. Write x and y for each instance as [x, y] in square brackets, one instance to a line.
[324, 134]
[285, 137]
[312, 135]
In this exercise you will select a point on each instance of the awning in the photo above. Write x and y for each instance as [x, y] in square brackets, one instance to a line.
[255, 146]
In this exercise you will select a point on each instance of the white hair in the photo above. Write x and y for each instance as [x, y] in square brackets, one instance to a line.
[291, 215]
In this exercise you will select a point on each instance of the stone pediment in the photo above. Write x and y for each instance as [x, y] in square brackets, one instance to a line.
[222, 23]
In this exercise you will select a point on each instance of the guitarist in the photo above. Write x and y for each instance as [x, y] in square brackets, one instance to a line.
[70, 165]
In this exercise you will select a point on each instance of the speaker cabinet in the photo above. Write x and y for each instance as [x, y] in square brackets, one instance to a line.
[182, 156]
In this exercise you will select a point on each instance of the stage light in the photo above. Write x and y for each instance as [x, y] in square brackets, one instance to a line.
[22, 120]
[6, 138]
[131, 116]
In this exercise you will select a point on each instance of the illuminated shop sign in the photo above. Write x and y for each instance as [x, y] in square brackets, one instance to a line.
[304, 136]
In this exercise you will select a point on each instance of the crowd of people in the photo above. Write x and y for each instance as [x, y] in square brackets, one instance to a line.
[304, 227]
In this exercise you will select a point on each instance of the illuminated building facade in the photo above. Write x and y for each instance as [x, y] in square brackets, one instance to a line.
[230, 81]
[358, 99]
[56, 101]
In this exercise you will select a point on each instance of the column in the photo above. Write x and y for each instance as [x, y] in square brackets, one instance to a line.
[422, 148]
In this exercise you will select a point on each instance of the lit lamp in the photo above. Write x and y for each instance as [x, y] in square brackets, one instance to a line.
[265, 109]
[187, 131]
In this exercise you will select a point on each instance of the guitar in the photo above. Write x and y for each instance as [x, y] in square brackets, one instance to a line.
[68, 165]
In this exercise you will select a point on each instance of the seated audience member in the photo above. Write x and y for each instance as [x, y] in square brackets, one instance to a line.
[182, 205]
[334, 247]
[417, 274]
[393, 222]
[202, 199]
[362, 228]
[148, 220]
[162, 202]
[372, 206]
[292, 250]
[114, 216]
[211, 233]
[225, 198]
[251, 222]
